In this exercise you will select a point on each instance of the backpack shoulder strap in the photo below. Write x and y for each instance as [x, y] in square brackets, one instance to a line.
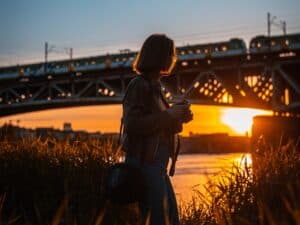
[120, 133]
[122, 124]
[125, 94]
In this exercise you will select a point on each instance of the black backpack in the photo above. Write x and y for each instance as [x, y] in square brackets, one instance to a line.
[124, 183]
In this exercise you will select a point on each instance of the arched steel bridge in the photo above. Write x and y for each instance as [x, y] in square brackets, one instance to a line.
[257, 80]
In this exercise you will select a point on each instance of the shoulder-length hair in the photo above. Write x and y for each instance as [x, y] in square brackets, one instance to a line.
[158, 54]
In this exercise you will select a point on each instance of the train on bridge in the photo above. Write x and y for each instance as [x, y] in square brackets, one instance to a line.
[210, 51]
[263, 75]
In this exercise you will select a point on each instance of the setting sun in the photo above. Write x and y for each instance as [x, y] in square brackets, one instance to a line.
[240, 119]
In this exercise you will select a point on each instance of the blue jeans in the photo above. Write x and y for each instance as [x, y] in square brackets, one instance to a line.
[160, 203]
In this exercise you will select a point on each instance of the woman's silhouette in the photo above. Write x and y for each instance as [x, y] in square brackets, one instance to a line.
[150, 126]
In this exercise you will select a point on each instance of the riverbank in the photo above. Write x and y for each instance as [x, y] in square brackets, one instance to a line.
[37, 176]
[214, 143]
[266, 192]
[193, 171]
[43, 182]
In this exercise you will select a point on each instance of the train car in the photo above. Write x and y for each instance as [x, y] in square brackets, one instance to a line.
[18, 71]
[123, 59]
[264, 44]
[232, 47]
[9, 72]
[108, 61]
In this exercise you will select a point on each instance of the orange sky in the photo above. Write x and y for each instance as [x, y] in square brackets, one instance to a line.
[207, 119]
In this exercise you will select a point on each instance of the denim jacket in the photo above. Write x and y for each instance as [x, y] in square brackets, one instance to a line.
[144, 121]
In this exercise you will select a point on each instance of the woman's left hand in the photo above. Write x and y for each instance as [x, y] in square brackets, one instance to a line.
[188, 116]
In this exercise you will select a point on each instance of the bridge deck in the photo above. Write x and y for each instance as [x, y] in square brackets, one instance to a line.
[267, 81]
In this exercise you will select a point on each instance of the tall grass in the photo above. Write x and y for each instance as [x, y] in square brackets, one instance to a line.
[266, 192]
[36, 175]
[61, 182]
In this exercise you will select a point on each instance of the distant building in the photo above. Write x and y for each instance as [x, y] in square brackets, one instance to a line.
[12, 132]
[96, 135]
[275, 130]
[44, 132]
[68, 127]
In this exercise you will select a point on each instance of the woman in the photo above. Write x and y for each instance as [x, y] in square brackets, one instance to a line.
[149, 129]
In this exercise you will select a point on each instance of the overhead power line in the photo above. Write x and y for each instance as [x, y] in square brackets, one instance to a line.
[272, 20]
[241, 31]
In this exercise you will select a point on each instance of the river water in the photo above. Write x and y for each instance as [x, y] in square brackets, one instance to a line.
[194, 170]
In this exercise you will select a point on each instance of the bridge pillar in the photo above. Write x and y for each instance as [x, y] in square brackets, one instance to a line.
[276, 130]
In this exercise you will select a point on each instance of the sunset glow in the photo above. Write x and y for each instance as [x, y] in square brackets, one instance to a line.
[240, 119]
[207, 119]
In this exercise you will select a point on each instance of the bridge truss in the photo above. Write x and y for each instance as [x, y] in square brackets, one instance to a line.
[265, 81]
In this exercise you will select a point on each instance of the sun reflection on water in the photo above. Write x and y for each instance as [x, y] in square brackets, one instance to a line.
[245, 160]
[194, 171]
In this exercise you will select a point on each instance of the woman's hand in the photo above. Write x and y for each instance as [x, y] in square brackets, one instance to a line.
[177, 111]
[188, 116]
[183, 112]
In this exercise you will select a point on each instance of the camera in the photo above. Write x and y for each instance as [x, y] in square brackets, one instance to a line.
[184, 102]
[188, 115]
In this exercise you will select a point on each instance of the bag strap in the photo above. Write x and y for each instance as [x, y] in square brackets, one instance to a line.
[121, 125]
[121, 130]
[174, 158]
[150, 88]
[120, 133]
[150, 100]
